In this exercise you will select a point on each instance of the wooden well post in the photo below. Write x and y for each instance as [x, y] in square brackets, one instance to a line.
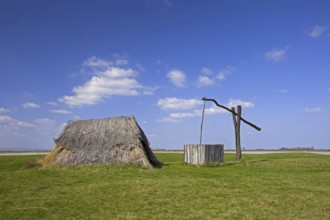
[237, 127]
[237, 118]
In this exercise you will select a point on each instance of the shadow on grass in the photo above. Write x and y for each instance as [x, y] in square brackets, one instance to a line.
[166, 164]
[227, 164]
[212, 164]
[31, 165]
[257, 161]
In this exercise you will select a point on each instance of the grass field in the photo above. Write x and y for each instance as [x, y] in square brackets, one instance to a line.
[269, 186]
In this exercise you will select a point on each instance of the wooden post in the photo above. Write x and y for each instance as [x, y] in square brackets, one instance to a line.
[201, 134]
[238, 134]
[237, 127]
[235, 122]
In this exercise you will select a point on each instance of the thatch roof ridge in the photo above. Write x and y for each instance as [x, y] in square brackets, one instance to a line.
[112, 129]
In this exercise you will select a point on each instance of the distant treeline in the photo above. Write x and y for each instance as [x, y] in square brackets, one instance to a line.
[299, 148]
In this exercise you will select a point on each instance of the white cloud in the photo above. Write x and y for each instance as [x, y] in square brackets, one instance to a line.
[204, 81]
[23, 124]
[283, 90]
[46, 127]
[276, 55]
[60, 111]
[52, 103]
[45, 122]
[12, 123]
[30, 105]
[329, 89]
[235, 102]
[96, 62]
[177, 117]
[177, 77]
[197, 112]
[148, 92]
[121, 62]
[115, 72]
[206, 71]
[5, 118]
[3, 110]
[317, 31]
[107, 80]
[111, 82]
[37, 134]
[182, 115]
[177, 103]
[217, 110]
[222, 75]
[210, 111]
[8, 121]
[318, 109]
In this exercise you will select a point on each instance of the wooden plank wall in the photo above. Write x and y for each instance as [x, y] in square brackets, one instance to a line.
[199, 154]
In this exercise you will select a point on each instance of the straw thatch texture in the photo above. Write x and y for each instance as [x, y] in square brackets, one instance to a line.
[108, 140]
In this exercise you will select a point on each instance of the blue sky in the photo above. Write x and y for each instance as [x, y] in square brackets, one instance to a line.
[156, 59]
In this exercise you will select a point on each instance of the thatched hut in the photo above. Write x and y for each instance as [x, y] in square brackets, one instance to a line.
[109, 140]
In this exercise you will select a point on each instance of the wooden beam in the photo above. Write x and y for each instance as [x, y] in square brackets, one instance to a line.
[233, 112]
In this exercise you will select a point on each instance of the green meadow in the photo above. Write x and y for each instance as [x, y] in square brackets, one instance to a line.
[269, 186]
